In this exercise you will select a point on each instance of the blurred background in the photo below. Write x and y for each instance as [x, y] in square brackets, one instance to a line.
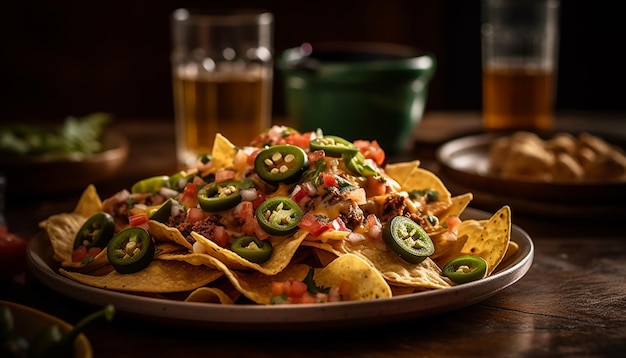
[73, 57]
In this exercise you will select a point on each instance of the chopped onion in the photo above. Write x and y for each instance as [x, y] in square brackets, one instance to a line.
[249, 194]
[355, 238]
[167, 192]
[198, 248]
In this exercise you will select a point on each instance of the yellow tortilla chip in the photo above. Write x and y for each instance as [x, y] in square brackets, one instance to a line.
[367, 283]
[89, 202]
[401, 170]
[284, 249]
[159, 277]
[162, 232]
[493, 240]
[223, 153]
[209, 295]
[458, 204]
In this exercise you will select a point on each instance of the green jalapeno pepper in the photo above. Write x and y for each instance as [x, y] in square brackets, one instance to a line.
[163, 212]
[52, 342]
[333, 146]
[465, 269]
[96, 231]
[407, 239]
[220, 196]
[150, 185]
[252, 249]
[177, 181]
[131, 250]
[356, 163]
[279, 216]
[281, 163]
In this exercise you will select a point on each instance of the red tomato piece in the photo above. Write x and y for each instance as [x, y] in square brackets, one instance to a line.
[371, 150]
[195, 214]
[329, 180]
[311, 224]
[140, 220]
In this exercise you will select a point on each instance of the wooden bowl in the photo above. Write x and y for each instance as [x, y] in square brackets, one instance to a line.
[29, 322]
[49, 177]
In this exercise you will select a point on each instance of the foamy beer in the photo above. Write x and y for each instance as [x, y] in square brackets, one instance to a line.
[520, 47]
[222, 78]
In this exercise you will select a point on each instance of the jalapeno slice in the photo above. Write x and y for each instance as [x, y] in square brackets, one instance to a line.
[131, 250]
[465, 269]
[96, 231]
[333, 146]
[252, 249]
[357, 164]
[281, 163]
[220, 196]
[279, 216]
[407, 239]
[150, 185]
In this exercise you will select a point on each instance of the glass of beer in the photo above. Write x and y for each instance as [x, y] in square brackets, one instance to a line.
[519, 54]
[222, 78]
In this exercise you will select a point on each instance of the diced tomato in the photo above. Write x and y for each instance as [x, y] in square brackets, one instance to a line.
[260, 198]
[452, 222]
[375, 186]
[81, 253]
[300, 192]
[252, 156]
[220, 236]
[314, 156]
[189, 197]
[300, 140]
[222, 175]
[371, 150]
[277, 288]
[311, 224]
[337, 224]
[329, 180]
[297, 288]
[196, 214]
[140, 220]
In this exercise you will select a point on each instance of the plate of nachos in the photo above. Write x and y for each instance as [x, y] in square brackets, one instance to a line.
[295, 230]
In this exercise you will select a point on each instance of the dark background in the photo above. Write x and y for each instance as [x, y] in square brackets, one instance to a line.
[74, 57]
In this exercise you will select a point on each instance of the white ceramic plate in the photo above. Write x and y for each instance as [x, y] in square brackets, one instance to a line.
[282, 317]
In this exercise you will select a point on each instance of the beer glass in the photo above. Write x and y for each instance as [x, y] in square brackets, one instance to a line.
[222, 78]
[519, 53]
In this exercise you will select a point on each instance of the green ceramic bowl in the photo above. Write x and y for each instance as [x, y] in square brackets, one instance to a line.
[357, 90]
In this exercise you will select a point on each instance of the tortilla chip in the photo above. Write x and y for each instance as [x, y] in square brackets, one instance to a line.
[401, 170]
[89, 202]
[458, 204]
[511, 250]
[162, 232]
[493, 241]
[367, 283]
[209, 295]
[284, 249]
[446, 249]
[223, 154]
[159, 277]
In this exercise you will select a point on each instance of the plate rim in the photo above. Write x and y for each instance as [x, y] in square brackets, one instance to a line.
[299, 317]
[605, 192]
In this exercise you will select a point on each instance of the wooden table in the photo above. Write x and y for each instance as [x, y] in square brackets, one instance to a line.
[572, 302]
